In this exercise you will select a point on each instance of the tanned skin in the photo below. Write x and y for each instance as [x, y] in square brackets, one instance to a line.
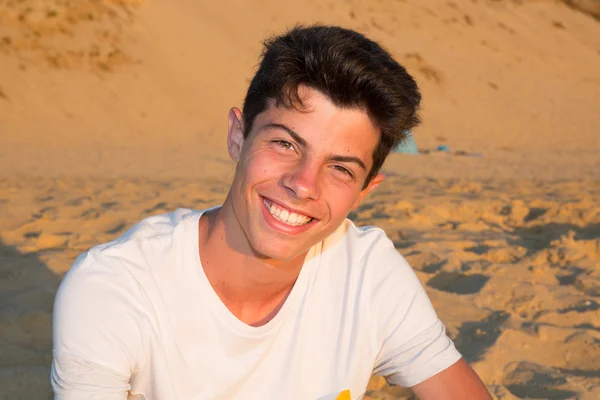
[314, 162]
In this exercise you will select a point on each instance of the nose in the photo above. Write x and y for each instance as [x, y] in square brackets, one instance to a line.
[302, 181]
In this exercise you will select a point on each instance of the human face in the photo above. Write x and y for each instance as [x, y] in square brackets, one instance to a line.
[299, 173]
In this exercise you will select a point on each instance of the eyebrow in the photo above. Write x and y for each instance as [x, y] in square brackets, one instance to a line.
[303, 143]
[290, 132]
[350, 159]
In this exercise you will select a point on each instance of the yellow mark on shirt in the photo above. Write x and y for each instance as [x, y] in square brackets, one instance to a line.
[345, 395]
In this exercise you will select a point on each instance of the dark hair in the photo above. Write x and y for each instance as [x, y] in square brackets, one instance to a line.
[350, 69]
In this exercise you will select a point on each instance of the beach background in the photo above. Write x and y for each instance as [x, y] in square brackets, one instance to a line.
[114, 110]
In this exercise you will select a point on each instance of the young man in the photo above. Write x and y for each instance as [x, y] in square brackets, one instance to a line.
[274, 294]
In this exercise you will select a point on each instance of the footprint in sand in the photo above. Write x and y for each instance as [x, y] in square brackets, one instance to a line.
[426, 261]
[530, 380]
[455, 282]
[474, 338]
[582, 355]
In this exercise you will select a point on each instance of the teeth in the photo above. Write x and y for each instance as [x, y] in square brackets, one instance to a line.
[292, 218]
[285, 216]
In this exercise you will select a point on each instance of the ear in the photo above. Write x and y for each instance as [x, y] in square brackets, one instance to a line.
[376, 181]
[235, 134]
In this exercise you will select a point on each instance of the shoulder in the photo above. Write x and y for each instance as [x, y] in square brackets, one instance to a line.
[359, 241]
[365, 260]
[367, 248]
[104, 308]
[123, 268]
[138, 249]
[127, 263]
[152, 227]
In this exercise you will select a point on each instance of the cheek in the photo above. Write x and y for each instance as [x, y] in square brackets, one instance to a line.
[265, 167]
[253, 172]
[342, 202]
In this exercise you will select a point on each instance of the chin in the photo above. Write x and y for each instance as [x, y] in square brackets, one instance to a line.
[281, 252]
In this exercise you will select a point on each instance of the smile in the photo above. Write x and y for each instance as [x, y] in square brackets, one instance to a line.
[286, 216]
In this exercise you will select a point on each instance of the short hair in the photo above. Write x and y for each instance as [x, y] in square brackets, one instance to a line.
[350, 69]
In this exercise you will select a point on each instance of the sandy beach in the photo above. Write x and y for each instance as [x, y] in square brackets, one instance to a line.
[115, 110]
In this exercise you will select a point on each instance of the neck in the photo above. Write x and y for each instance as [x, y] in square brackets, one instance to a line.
[246, 282]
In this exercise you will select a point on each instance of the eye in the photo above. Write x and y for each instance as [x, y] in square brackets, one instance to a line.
[284, 144]
[343, 170]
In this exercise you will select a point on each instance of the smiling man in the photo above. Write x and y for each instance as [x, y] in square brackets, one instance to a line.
[274, 294]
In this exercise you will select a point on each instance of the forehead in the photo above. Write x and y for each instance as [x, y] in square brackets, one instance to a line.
[321, 123]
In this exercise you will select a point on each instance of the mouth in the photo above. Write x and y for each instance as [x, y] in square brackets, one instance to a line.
[285, 215]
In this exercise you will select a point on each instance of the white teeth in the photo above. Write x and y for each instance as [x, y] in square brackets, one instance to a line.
[292, 218]
[285, 216]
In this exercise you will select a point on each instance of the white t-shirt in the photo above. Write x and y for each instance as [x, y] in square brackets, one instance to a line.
[137, 318]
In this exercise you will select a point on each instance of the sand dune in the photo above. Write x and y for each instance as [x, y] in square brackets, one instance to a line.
[111, 111]
[143, 89]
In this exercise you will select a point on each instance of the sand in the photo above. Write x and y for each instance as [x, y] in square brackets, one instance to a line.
[116, 110]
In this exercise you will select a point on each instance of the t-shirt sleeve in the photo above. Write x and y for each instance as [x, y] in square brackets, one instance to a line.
[415, 344]
[97, 338]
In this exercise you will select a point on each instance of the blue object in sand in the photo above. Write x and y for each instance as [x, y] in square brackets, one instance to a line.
[444, 148]
[407, 146]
